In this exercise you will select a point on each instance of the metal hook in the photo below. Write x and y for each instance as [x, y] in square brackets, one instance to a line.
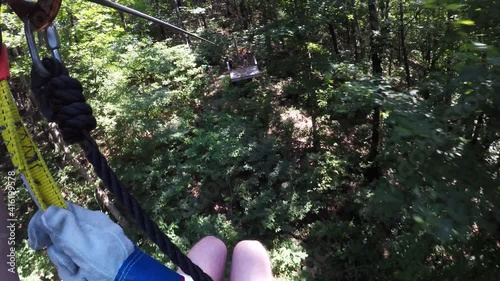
[53, 44]
[52, 41]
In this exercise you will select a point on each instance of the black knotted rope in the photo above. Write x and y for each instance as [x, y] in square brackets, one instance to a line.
[61, 101]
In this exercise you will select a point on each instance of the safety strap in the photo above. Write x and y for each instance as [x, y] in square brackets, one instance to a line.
[25, 155]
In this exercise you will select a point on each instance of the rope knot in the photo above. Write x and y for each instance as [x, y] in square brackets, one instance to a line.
[61, 100]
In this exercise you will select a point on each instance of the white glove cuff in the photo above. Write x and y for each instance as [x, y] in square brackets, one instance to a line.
[186, 277]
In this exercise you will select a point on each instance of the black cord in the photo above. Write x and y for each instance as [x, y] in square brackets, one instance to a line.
[142, 220]
[61, 100]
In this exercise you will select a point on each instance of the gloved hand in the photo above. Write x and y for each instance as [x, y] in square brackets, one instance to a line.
[83, 244]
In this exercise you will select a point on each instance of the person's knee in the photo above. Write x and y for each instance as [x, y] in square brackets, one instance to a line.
[210, 255]
[249, 246]
[214, 245]
[251, 262]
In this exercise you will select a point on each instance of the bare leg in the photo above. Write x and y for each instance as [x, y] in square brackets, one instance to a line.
[251, 262]
[210, 255]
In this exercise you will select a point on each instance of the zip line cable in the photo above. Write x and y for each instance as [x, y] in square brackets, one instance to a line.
[147, 17]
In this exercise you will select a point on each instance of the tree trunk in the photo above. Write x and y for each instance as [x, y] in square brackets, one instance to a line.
[122, 19]
[450, 38]
[373, 172]
[314, 121]
[204, 21]
[161, 29]
[333, 34]
[403, 45]
[228, 8]
[359, 52]
[374, 40]
[477, 129]
[355, 31]
[389, 71]
[179, 21]
[244, 14]
[267, 34]
[348, 34]
[351, 29]
[313, 105]
[387, 8]
[382, 9]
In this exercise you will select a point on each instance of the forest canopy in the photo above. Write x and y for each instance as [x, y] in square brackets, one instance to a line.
[368, 149]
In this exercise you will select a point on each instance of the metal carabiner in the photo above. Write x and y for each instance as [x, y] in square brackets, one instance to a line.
[51, 39]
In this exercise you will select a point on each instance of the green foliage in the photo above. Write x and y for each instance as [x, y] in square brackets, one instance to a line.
[210, 54]
[284, 159]
[287, 257]
[33, 265]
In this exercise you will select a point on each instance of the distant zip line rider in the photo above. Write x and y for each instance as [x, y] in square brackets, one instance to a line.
[244, 56]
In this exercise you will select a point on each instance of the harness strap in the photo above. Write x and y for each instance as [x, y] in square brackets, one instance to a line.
[26, 157]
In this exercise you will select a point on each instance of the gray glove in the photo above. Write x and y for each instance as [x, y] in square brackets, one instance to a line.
[84, 245]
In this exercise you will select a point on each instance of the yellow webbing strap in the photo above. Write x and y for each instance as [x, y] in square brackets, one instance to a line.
[25, 155]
